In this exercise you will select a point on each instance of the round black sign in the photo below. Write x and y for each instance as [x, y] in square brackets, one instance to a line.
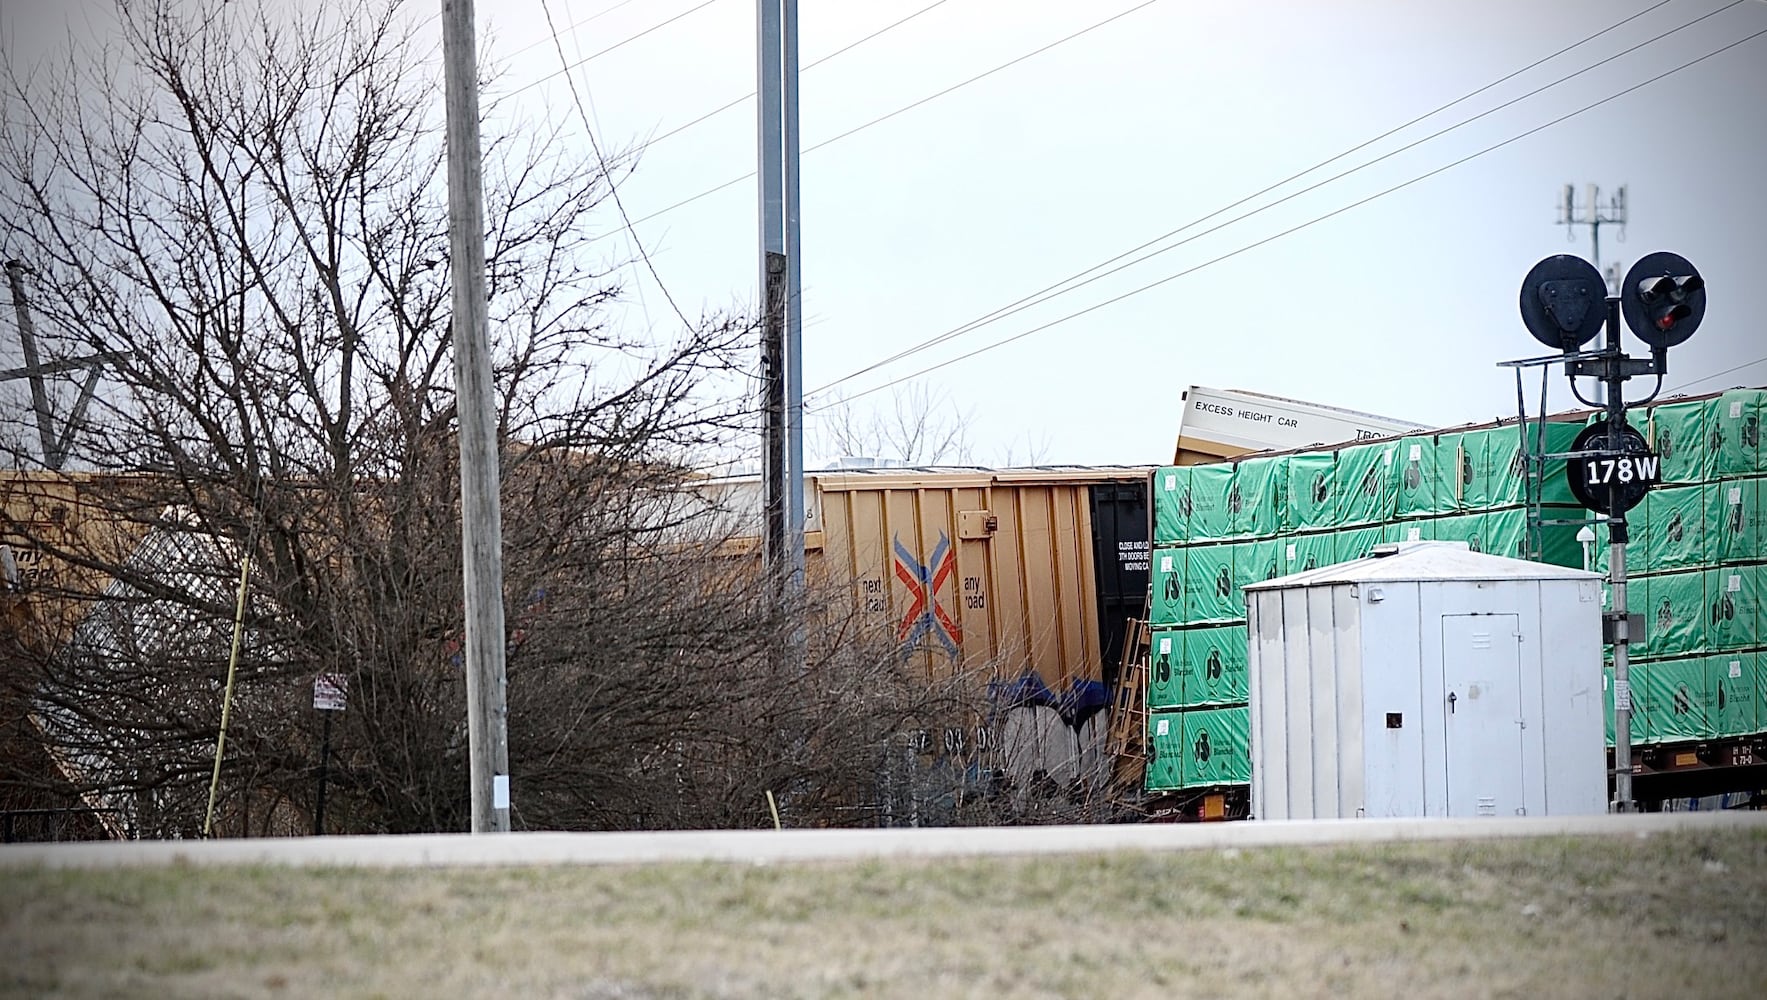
[1633, 468]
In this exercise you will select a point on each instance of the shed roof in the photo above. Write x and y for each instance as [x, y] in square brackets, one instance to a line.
[1404, 561]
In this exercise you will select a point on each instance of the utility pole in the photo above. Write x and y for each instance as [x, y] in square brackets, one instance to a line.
[27, 338]
[481, 531]
[781, 283]
[1594, 214]
[55, 448]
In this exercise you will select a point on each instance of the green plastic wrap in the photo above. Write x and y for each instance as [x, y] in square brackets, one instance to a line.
[1505, 533]
[1171, 505]
[1311, 489]
[1408, 531]
[1166, 585]
[1735, 420]
[1165, 669]
[1215, 666]
[1217, 747]
[1365, 484]
[1357, 543]
[1304, 552]
[1733, 607]
[1506, 472]
[1677, 433]
[1607, 704]
[1209, 591]
[1255, 562]
[1670, 700]
[1733, 521]
[1255, 499]
[1415, 478]
[1165, 751]
[1468, 528]
[1674, 609]
[1733, 680]
[1211, 486]
[1461, 472]
[1558, 542]
[1674, 521]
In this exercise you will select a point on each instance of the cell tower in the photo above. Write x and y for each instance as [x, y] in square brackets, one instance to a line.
[1594, 214]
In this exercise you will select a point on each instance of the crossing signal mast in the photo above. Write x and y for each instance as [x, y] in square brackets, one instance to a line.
[1565, 304]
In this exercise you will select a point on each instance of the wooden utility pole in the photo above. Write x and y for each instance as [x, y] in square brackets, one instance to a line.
[481, 516]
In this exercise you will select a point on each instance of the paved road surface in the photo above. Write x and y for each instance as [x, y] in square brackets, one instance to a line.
[761, 846]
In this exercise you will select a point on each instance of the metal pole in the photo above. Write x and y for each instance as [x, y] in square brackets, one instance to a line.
[1616, 417]
[324, 763]
[775, 541]
[794, 325]
[770, 172]
[27, 340]
[481, 530]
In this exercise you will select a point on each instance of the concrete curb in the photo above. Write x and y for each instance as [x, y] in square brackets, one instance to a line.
[766, 846]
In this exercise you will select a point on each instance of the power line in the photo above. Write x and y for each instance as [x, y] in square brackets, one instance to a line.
[883, 118]
[677, 130]
[1294, 229]
[573, 26]
[1079, 280]
[531, 84]
[1708, 378]
[612, 186]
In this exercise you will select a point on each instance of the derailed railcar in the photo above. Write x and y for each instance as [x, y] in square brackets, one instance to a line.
[1017, 581]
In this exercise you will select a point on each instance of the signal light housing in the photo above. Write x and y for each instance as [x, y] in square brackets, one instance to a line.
[1563, 302]
[1666, 300]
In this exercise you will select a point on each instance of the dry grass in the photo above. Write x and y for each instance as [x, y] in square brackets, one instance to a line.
[1613, 917]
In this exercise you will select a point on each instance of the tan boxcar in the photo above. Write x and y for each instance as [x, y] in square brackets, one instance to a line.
[1020, 577]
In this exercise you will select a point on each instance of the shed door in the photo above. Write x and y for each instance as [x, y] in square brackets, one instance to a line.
[1481, 688]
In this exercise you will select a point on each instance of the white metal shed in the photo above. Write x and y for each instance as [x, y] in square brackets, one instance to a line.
[1427, 680]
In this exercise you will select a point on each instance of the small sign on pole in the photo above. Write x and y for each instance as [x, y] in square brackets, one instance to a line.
[330, 691]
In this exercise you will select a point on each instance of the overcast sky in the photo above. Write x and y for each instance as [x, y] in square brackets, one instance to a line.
[1177, 109]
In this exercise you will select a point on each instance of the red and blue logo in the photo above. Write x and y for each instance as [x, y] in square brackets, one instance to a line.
[925, 618]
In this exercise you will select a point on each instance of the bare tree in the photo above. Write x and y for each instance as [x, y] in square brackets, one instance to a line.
[919, 425]
[241, 204]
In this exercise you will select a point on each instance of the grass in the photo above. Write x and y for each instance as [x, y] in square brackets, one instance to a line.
[1682, 915]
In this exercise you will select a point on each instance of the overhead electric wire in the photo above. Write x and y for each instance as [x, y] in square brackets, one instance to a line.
[573, 26]
[1708, 378]
[1294, 229]
[677, 130]
[908, 107]
[612, 186]
[1080, 280]
[531, 84]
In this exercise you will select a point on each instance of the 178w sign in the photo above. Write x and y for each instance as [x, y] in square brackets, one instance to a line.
[1594, 478]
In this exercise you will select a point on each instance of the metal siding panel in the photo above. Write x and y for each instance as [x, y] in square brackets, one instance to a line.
[1325, 750]
[1255, 661]
[1011, 611]
[1346, 665]
[1276, 639]
[1432, 696]
[1572, 725]
[1390, 667]
[972, 596]
[1297, 712]
[1076, 582]
[1530, 603]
